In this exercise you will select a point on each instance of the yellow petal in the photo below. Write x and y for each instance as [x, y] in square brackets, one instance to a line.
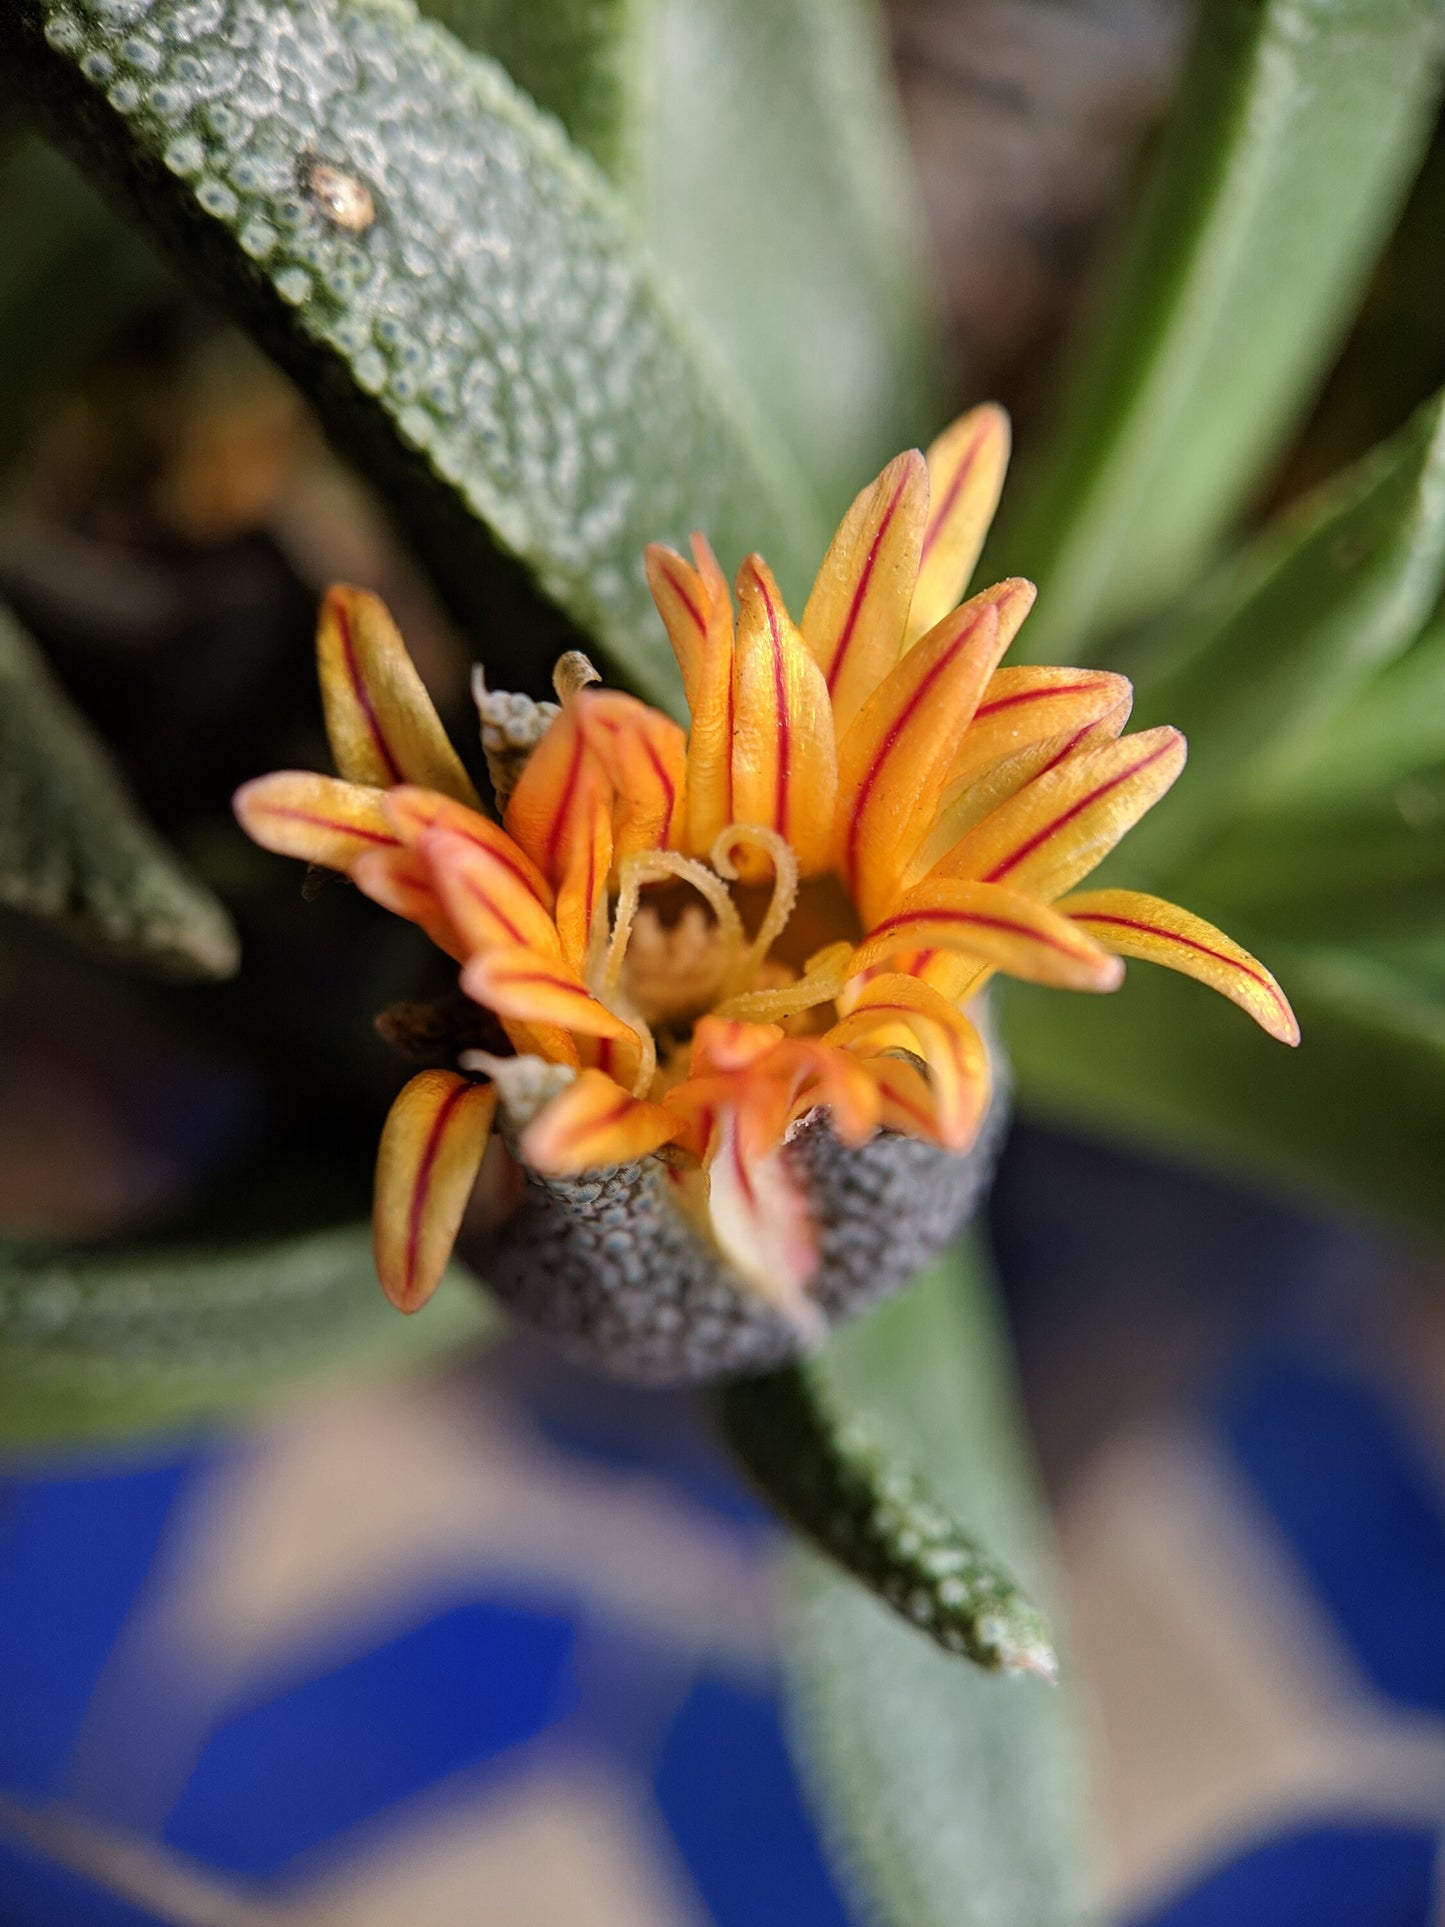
[965, 475]
[905, 1097]
[560, 813]
[644, 756]
[1027, 706]
[892, 1007]
[1135, 925]
[401, 881]
[837, 1080]
[382, 724]
[593, 1124]
[533, 989]
[784, 760]
[894, 761]
[414, 813]
[698, 613]
[486, 895]
[319, 818]
[730, 1044]
[853, 624]
[1012, 932]
[1054, 831]
[431, 1147]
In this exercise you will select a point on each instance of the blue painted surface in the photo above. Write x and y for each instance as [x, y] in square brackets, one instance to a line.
[73, 1554]
[1335, 1876]
[727, 1789]
[1347, 1491]
[339, 1749]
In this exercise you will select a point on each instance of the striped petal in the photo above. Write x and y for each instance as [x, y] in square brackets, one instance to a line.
[784, 760]
[1027, 706]
[1054, 831]
[533, 989]
[560, 814]
[1013, 933]
[724, 1044]
[697, 611]
[853, 624]
[893, 1009]
[761, 1223]
[431, 1148]
[838, 1080]
[486, 895]
[965, 475]
[893, 763]
[906, 1102]
[1134, 925]
[318, 818]
[382, 724]
[644, 756]
[415, 813]
[593, 1124]
[401, 881]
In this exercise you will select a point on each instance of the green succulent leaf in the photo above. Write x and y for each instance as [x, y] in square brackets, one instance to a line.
[1280, 642]
[1355, 1117]
[99, 1340]
[583, 60]
[74, 852]
[459, 292]
[830, 1475]
[777, 188]
[1289, 152]
[947, 1795]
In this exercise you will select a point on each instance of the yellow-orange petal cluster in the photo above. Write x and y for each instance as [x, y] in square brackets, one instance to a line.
[877, 754]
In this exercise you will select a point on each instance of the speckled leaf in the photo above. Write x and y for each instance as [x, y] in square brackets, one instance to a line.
[828, 1473]
[457, 290]
[947, 1796]
[583, 60]
[777, 188]
[73, 850]
[1281, 641]
[1288, 154]
[101, 1339]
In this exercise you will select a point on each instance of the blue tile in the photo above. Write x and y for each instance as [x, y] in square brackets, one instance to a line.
[73, 1553]
[1333, 1876]
[36, 1893]
[728, 1793]
[1342, 1484]
[290, 1774]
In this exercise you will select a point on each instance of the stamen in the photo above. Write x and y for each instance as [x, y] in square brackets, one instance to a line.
[824, 976]
[785, 891]
[651, 866]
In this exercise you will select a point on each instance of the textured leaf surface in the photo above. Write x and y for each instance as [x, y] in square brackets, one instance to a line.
[947, 1794]
[583, 60]
[777, 189]
[830, 1475]
[110, 1339]
[1287, 156]
[73, 850]
[458, 290]
[1280, 643]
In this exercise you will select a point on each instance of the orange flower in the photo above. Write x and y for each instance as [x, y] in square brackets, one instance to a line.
[695, 942]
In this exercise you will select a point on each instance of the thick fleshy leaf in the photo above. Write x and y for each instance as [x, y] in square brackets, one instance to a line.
[321, 819]
[784, 758]
[1289, 151]
[74, 853]
[382, 724]
[430, 1153]
[893, 763]
[1054, 832]
[1135, 925]
[954, 1798]
[1278, 645]
[894, 1008]
[1014, 933]
[98, 1340]
[532, 989]
[460, 292]
[594, 1124]
[965, 478]
[854, 620]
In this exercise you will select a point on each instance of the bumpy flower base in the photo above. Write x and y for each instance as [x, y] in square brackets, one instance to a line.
[608, 1269]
